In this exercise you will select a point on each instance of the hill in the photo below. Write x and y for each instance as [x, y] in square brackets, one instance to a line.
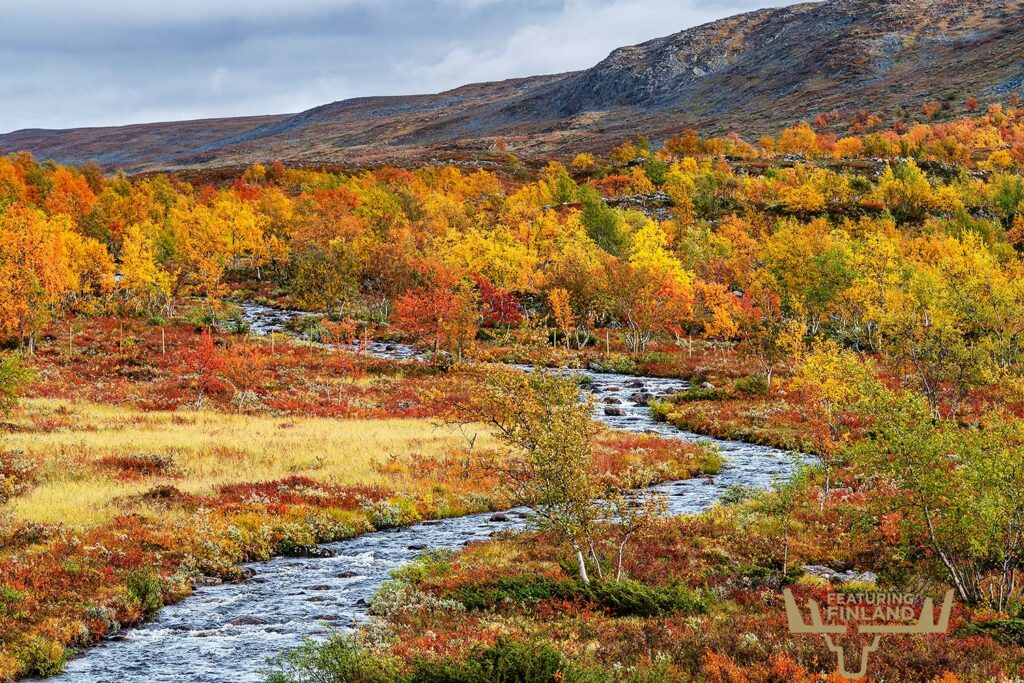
[752, 73]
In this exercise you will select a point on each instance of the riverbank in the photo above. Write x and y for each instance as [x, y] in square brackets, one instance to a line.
[120, 529]
[699, 600]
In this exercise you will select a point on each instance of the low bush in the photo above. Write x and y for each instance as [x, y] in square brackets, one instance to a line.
[755, 384]
[660, 409]
[504, 662]
[41, 657]
[342, 660]
[615, 362]
[139, 465]
[739, 493]
[697, 393]
[619, 598]
[145, 588]
[1005, 631]
[432, 564]
[522, 588]
[710, 459]
[631, 598]
[339, 660]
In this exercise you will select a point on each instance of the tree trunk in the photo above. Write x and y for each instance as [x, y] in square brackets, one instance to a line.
[583, 566]
[597, 562]
[785, 550]
[618, 564]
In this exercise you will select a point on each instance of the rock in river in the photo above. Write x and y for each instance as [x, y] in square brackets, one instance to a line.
[307, 551]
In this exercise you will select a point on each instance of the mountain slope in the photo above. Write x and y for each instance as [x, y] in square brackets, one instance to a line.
[753, 73]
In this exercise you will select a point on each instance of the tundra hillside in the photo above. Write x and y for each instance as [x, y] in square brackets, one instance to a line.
[847, 60]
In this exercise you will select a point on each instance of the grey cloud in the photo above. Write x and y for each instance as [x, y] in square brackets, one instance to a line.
[68, 63]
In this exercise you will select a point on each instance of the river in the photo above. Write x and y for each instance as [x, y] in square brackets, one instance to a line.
[225, 634]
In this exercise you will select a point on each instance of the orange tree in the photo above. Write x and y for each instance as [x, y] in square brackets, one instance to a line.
[442, 312]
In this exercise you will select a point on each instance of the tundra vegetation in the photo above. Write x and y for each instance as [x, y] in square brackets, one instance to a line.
[859, 298]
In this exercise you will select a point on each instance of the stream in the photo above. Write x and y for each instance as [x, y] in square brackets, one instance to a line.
[225, 634]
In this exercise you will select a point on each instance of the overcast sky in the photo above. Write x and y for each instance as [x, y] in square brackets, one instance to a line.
[67, 63]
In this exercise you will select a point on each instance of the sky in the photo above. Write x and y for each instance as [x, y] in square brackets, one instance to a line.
[71, 63]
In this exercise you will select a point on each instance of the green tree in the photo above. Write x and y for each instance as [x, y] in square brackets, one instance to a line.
[604, 224]
[547, 431]
[14, 375]
[326, 279]
[958, 491]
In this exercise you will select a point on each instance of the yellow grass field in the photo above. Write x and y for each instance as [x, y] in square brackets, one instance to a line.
[208, 449]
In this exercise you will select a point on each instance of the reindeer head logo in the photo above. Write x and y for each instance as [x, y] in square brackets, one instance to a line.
[925, 624]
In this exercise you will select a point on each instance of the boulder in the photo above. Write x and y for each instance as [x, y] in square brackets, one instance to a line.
[200, 581]
[308, 551]
[611, 400]
[612, 411]
[820, 572]
[834, 576]
[499, 517]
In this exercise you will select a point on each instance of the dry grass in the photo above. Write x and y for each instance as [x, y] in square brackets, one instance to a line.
[208, 449]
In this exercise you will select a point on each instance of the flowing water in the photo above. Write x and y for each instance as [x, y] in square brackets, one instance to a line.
[225, 634]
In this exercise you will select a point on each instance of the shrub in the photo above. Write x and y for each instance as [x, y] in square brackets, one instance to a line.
[14, 375]
[432, 564]
[621, 598]
[144, 587]
[9, 598]
[200, 316]
[739, 493]
[696, 393]
[339, 660]
[383, 515]
[504, 662]
[392, 601]
[522, 588]
[1007, 631]
[41, 657]
[292, 536]
[342, 660]
[709, 460]
[238, 325]
[139, 465]
[660, 409]
[631, 598]
[756, 384]
[615, 362]
[308, 326]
